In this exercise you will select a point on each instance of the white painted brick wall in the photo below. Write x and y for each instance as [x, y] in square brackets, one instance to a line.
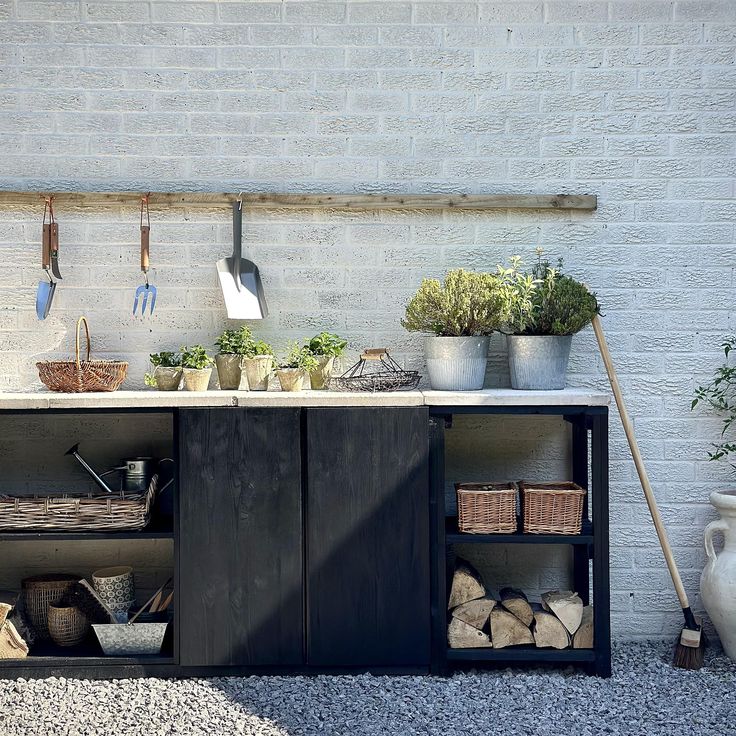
[634, 101]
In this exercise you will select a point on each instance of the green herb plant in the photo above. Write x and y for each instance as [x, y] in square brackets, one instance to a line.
[545, 301]
[327, 344]
[165, 359]
[257, 347]
[195, 357]
[234, 342]
[299, 357]
[467, 304]
[720, 395]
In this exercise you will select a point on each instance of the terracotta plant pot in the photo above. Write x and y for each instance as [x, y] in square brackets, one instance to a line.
[318, 377]
[257, 370]
[229, 371]
[291, 379]
[167, 379]
[197, 379]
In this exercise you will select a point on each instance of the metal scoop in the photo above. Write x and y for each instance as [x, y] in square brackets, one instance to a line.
[240, 279]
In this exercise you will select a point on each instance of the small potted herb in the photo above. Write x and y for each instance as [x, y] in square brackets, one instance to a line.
[231, 346]
[258, 360]
[546, 308]
[197, 367]
[325, 347]
[458, 317]
[167, 371]
[292, 369]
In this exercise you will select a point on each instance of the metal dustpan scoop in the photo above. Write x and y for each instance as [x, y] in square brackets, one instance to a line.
[239, 278]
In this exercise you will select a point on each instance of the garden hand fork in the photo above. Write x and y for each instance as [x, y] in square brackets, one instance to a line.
[146, 290]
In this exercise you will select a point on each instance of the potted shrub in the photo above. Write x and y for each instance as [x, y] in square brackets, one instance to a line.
[231, 346]
[197, 366]
[167, 371]
[718, 579]
[292, 369]
[258, 359]
[325, 347]
[459, 316]
[546, 308]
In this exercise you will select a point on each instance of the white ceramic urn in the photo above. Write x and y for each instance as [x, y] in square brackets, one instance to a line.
[718, 581]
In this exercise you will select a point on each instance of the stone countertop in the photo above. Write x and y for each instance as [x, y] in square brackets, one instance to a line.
[151, 399]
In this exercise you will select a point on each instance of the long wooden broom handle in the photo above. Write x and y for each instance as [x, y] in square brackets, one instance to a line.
[640, 469]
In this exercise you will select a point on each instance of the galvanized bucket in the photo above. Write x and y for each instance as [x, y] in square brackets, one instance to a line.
[538, 362]
[456, 363]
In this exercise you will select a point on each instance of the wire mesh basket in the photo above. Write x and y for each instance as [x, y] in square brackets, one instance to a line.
[375, 371]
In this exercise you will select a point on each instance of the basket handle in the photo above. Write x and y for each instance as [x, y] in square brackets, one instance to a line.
[86, 329]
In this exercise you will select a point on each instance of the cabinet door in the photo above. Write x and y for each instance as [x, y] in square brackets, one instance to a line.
[240, 537]
[367, 522]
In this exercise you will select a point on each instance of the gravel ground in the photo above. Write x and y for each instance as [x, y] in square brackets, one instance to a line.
[646, 695]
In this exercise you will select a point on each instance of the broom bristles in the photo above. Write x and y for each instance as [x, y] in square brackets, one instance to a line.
[687, 656]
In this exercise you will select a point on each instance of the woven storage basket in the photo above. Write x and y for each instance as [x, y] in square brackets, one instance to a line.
[68, 626]
[486, 508]
[78, 376]
[42, 591]
[79, 512]
[12, 645]
[552, 508]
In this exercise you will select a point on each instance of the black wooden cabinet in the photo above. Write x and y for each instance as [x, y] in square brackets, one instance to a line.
[367, 537]
[240, 537]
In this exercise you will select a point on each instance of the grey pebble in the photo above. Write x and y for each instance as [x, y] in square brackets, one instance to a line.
[645, 695]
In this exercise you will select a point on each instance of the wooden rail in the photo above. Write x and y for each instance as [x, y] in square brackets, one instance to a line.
[302, 201]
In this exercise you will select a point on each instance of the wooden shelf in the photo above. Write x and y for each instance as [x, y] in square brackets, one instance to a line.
[355, 201]
[453, 536]
[521, 654]
[151, 532]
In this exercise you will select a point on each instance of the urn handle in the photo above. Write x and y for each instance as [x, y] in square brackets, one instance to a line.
[715, 526]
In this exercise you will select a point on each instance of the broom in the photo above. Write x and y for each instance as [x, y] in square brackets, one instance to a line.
[691, 643]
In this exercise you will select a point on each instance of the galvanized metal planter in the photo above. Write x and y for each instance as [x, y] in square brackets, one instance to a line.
[456, 363]
[538, 362]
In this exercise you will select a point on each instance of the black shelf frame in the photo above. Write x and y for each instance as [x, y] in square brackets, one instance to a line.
[589, 439]
[86, 660]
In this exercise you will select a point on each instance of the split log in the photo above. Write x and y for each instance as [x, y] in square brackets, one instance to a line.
[507, 630]
[583, 638]
[514, 601]
[464, 636]
[475, 612]
[466, 585]
[549, 631]
[566, 605]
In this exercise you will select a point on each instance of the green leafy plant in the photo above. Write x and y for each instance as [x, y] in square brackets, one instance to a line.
[257, 347]
[468, 303]
[149, 379]
[165, 359]
[195, 357]
[299, 357]
[326, 343]
[234, 342]
[545, 301]
[720, 394]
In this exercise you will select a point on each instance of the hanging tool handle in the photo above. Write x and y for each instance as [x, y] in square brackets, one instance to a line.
[54, 237]
[145, 245]
[640, 469]
[46, 246]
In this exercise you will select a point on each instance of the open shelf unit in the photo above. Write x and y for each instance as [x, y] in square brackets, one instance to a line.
[87, 659]
[589, 437]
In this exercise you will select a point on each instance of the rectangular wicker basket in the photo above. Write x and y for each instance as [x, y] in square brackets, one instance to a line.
[552, 508]
[486, 508]
[78, 512]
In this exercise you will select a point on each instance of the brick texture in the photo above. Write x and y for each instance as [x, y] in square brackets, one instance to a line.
[633, 101]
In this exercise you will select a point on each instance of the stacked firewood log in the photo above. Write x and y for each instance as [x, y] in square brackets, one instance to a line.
[478, 619]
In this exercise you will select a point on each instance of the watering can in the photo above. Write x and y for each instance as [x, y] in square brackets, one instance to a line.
[135, 473]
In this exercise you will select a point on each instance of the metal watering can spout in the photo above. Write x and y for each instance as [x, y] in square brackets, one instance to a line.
[95, 477]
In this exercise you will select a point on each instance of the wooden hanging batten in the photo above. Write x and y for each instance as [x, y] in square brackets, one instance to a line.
[321, 201]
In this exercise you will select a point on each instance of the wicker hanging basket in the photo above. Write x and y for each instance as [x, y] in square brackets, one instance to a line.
[80, 376]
